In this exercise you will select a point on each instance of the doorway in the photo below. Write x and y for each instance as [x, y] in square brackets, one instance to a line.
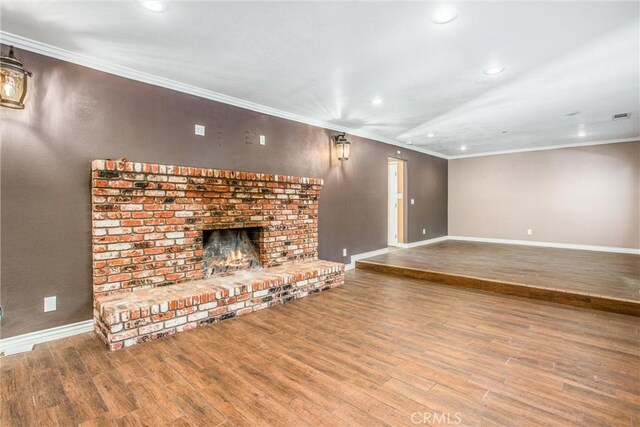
[396, 201]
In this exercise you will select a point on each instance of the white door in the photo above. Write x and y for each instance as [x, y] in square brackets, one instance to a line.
[392, 236]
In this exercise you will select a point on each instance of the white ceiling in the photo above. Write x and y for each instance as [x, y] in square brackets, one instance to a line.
[326, 61]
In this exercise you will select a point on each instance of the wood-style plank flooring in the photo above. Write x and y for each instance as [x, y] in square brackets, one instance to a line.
[379, 351]
[609, 278]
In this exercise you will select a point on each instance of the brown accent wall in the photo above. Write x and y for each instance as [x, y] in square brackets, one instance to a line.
[584, 195]
[75, 115]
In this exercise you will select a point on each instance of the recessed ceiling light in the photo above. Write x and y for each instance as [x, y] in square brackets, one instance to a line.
[463, 147]
[410, 142]
[154, 5]
[581, 133]
[492, 71]
[620, 116]
[431, 135]
[376, 101]
[444, 15]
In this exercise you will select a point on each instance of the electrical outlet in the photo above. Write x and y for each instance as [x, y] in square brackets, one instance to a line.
[529, 232]
[200, 130]
[50, 304]
[413, 202]
[344, 252]
[263, 140]
[424, 231]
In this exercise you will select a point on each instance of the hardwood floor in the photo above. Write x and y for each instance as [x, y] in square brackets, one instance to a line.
[379, 351]
[600, 280]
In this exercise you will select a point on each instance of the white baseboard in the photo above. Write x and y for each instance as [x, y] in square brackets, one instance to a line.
[612, 249]
[423, 242]
[364, 255]
[383, 251]
[23, 343]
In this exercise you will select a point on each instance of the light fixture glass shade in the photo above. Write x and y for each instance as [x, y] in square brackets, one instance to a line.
[343, 146]
[13, 81]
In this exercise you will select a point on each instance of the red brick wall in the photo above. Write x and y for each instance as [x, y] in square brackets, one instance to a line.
[148, 220]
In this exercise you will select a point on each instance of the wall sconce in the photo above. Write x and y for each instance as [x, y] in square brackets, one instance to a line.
[13, 81]
[343, 146]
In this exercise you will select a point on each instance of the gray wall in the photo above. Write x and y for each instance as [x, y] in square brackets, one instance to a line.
[75, 115]
[583, 195]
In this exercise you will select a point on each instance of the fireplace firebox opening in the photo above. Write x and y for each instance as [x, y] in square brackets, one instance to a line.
[232, 249]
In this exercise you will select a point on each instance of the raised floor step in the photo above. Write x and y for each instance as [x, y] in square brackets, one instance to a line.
[545, 293]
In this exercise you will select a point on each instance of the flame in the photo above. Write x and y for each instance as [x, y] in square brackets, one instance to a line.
[235, 255]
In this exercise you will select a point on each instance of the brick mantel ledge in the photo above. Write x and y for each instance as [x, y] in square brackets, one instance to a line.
[153, 168]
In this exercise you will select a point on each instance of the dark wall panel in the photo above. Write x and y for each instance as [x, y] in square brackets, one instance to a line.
[75, 115]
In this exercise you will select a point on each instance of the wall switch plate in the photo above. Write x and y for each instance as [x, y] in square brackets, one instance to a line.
[50, 304]
[424, 231]
[263, 140]
[529, 231]
[413, 202]
[200, 130]
[344, 252]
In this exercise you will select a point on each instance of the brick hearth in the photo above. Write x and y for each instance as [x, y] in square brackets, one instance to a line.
[126, 319]
[148, 223]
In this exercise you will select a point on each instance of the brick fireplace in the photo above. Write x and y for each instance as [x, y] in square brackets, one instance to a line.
[156, 227]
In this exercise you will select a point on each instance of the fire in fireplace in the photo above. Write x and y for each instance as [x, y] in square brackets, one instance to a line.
[226, 250]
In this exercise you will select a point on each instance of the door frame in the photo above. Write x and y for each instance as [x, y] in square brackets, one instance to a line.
[401, 201]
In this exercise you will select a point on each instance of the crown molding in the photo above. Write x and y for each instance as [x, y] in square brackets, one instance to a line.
[129, 73]
[548, 147]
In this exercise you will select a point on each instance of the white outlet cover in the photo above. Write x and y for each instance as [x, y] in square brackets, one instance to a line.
[424, 231]
[199, 130]
[529, 232]
[413, 202]
[344, 252]
[50, 304]
[263, 140]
